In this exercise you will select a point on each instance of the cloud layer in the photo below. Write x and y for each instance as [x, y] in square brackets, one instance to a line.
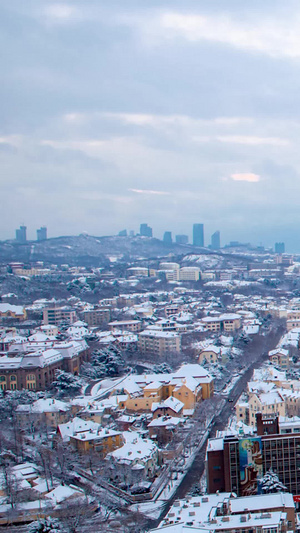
[121, 113]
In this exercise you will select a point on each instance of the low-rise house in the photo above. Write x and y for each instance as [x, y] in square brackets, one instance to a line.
[279, 357]
[169, 407]
[137, 454]
[75, 426]
[211, 354]
[128, 325]
[46, 411]
[12, 311]
[162, 429]
[101, 440]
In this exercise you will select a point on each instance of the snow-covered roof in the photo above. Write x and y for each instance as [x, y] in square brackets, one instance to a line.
[135, 449]
[169, 403]
[75, 426]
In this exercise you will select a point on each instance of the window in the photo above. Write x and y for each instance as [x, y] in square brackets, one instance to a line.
[2, 378]
[13, 378]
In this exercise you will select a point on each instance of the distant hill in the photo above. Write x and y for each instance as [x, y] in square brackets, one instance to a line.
[88, 250]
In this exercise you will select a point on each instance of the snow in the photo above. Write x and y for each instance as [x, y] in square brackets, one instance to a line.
[63, 492]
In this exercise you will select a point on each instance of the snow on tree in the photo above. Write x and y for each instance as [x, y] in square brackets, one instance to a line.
[105, 362]
[66, 384]
[162, 368]
[45, 525]
[270, 483]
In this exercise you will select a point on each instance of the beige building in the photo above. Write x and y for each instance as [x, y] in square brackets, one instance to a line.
[266, 403]
[59, 315]
[226, 322]
[189, 274]
[158, 342]
[12, 311]
[279, 358]
[139, 272]
[211, 354]
[96, 317]
[127, 325]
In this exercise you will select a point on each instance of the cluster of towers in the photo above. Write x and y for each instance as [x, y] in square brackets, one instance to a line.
[21, 237]
[198, 236]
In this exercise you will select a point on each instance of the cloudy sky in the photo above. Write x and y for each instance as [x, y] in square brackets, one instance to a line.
[117, 112]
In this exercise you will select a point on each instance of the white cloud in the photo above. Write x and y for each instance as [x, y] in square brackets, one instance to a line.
[274, 37]
[59, 13]
[147, 191]
[252, 140]
[247, 176]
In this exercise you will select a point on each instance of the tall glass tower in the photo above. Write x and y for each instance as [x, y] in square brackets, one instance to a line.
[198, 235]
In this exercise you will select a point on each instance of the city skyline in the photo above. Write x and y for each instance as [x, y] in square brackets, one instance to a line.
[114, 114]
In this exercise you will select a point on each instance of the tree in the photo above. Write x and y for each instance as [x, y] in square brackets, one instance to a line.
[66, 384]
[45, 525]
[270, 483]
[11, 484]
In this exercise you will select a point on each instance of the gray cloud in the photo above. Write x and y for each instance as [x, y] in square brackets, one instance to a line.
[104, 99]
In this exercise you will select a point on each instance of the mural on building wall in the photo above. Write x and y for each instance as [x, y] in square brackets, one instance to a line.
[251, 465]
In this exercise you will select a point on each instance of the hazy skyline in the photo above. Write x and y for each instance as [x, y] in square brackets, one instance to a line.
[117, 113]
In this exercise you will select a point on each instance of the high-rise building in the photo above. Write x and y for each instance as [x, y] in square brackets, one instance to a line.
[21, 234]
[122, 233]
[167, 239]
[181, 239]
[215, 241]
[273, 448]
[279, 248]
[145, 230]
[41, 233]
[198, 235]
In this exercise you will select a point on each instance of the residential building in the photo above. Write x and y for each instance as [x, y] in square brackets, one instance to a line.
[59, 315]
[279, 357]
[198, 235]
[127, 325]
[226, 513]
[158, 342]
[189, 274]
[226, 322]
[44, 412]
[138, 272]
[237, 463]
[96, 317]
[211, 354]
[16, 312]
[99, 440]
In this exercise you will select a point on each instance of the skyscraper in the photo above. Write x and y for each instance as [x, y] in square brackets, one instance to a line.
[167, 237]
[21, 234]
[215, 241]
[145, 230]
[198, 235]
[41, 234]
[279, 248]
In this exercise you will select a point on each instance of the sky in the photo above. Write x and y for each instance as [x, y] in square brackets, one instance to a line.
[171, 113]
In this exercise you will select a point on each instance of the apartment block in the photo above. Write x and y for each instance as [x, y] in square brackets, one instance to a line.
[158, 342]
[59, 315]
